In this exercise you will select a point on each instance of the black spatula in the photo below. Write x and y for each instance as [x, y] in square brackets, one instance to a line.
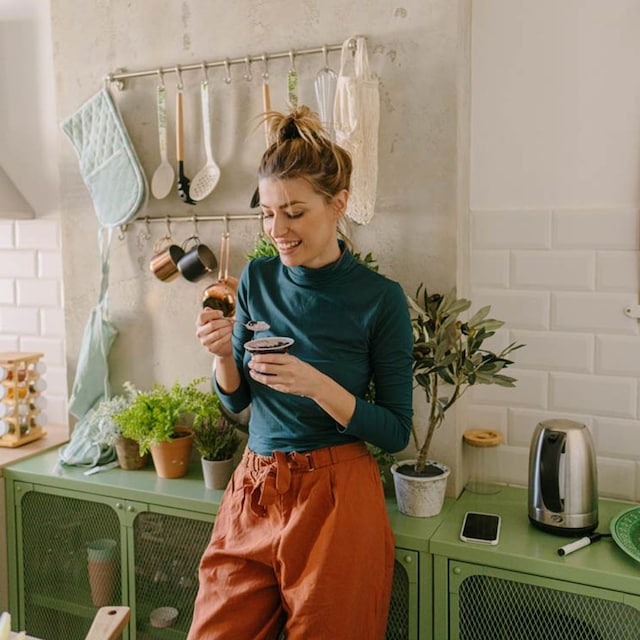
[183, 181]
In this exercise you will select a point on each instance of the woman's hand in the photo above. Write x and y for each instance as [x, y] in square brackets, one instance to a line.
[286, 373]
[214, 332]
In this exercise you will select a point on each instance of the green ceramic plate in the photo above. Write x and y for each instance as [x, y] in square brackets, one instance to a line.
[625, 530]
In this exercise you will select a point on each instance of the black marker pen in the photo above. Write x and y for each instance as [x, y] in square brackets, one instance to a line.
[579, 544]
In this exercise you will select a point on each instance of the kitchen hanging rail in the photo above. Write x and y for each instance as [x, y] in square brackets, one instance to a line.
[120, 75]
[168, 220]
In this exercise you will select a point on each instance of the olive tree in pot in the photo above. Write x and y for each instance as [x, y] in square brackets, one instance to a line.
[216, 438]
[157, 420]
[447, 357]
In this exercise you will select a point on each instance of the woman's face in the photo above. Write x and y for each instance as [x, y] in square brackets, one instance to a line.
[301, 223]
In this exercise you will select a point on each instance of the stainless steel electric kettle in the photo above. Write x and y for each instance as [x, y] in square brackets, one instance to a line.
[563, 483]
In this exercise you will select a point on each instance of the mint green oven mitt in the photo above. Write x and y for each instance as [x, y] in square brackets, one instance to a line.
[108, 162]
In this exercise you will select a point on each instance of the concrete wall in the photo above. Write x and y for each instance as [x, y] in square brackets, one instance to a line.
[413, 47]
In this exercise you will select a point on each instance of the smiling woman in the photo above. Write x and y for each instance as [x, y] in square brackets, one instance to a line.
[302, 552]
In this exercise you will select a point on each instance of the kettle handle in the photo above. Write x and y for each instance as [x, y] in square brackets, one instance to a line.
[552, 448]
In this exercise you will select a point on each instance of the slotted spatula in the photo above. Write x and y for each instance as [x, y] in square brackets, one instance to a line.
[183, 181]
[205, 181]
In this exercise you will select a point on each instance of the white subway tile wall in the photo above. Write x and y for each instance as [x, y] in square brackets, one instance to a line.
[31, 302]
[561, 281]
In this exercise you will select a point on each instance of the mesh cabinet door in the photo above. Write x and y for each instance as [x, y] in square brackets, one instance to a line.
[493, 605]
[167, 552]
[402, 623]
[62, 585]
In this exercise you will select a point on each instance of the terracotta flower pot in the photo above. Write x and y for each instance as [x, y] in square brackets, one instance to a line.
[171, 458]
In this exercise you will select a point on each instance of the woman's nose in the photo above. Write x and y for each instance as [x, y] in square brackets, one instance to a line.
[278, 225]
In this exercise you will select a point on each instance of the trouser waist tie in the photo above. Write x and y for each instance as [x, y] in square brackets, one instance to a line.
[271, 475]
[271, 480]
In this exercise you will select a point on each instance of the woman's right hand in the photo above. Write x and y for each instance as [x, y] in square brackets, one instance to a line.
[214, 332]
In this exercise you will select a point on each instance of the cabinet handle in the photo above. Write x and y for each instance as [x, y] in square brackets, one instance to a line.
[131, 508]
[118, 505]
[408, 559]
[457, 570]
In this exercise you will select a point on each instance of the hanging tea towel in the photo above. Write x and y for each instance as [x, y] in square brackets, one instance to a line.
[357, 117]
[108, 162]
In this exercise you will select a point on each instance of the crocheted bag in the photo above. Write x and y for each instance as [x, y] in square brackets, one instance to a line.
[357, 117]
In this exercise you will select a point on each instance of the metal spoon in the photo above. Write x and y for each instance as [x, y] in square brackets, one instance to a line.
[254, 325]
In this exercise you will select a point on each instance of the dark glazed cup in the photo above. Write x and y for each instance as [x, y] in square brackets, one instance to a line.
[274, 344]
[197, 262]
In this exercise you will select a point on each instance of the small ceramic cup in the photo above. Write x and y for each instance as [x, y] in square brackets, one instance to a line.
[164, 263]
[198, 261]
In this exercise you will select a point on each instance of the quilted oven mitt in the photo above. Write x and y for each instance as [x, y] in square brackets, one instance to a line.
[108, 162]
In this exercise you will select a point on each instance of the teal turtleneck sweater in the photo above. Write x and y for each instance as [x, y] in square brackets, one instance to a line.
[351, 324]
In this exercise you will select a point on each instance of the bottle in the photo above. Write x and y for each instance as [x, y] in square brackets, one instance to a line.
[37, 402]
[36, 386]
[40, 420]
[17, 392]
[19, 374]
[5, 427]
[3, 373]
[37, 368]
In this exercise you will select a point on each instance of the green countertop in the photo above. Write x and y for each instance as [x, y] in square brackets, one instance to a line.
[187, 492]
[142, 485]
[521, 545]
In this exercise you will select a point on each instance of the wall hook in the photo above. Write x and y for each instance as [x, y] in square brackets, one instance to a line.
[247, 69]
[179, 74]
[265, 73]
[227, 71]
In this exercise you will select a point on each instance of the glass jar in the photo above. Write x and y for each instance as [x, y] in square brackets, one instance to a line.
[483, 460]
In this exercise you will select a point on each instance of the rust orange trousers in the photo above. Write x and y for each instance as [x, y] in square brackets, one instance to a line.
[301, 543]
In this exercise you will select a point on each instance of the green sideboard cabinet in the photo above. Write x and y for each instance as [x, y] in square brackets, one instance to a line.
[521, 589]
[160, 529]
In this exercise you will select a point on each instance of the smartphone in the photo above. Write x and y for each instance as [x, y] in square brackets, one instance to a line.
[480, 527]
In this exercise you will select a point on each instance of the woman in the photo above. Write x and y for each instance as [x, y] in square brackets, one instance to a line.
[302, 541]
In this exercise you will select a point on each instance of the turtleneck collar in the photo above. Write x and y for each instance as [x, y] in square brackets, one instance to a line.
[330, 273]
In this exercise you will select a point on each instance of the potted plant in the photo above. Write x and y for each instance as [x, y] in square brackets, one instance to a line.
[108, 431]
[215, 437]
[447, 352]
[156, 420]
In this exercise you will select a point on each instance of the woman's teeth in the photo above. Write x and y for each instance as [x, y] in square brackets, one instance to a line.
[284, 246]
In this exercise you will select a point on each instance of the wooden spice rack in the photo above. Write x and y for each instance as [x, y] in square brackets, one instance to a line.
[21, 416]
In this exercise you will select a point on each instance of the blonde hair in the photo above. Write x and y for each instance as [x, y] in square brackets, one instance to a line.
[300, 148]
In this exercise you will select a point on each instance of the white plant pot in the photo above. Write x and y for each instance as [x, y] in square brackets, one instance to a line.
[217, 473]
[420, 496]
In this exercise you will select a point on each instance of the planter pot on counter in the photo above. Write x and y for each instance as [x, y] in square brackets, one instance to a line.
[217, 473]
[171, 458]
[128, 453]
[420, 496]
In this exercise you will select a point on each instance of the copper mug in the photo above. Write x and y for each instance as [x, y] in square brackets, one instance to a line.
[164, 263]
[198, 261]
[222, 294]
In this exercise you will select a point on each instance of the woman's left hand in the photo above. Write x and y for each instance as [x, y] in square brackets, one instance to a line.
[285, 373]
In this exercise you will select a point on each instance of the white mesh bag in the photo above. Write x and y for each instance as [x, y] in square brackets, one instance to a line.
[357, 117]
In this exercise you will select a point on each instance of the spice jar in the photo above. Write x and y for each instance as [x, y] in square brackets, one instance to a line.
[482, 456]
